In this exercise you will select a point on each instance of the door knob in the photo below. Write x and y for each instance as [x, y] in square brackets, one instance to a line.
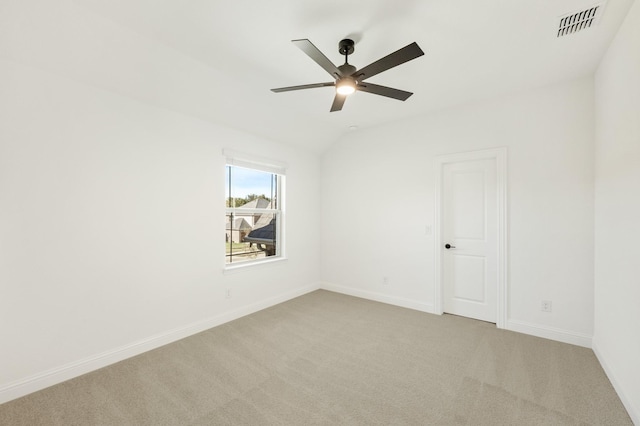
[449, 246]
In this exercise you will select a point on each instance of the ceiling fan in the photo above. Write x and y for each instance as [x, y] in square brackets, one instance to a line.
[348, 78]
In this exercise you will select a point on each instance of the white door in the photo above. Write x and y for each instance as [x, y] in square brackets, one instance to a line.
[470, 239]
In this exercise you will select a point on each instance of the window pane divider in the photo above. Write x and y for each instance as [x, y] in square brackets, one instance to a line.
[239, 210]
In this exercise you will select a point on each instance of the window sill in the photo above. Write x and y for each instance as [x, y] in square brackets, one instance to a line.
[230, 269]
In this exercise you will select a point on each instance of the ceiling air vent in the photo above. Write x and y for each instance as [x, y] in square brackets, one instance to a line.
[573, 22]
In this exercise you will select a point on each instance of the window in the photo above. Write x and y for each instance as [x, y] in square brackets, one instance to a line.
[254, 212]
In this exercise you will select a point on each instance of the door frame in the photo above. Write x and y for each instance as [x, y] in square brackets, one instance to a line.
[500, 155]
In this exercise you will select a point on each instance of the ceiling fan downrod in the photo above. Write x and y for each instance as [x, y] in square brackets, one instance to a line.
[346, 47]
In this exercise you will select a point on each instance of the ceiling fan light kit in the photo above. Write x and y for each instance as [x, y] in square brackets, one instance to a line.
[348, 79]
[345, 86]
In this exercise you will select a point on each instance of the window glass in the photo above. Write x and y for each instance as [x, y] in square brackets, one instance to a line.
[253, 214]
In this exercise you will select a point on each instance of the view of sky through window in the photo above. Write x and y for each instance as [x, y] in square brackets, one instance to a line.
[247, 181]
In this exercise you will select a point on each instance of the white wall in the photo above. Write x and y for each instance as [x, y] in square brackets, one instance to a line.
[378, 196]
[617, 213]
[111, 211]
[112, 224]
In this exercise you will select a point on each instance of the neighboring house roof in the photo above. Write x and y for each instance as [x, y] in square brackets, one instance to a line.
[239, 224]
[263, 220]
[264, 233]
[258, 203]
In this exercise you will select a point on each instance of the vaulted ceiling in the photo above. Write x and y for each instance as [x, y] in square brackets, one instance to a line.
[218, 59]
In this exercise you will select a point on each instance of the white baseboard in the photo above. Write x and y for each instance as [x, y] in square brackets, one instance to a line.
[379, 297]
[552, 333]
[631, 410]
[557, 334]
[65, 372]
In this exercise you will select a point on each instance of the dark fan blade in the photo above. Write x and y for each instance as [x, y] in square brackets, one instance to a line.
[338, 102]
[389, 92]
[396, 58]
[304, 86]
[314, 53]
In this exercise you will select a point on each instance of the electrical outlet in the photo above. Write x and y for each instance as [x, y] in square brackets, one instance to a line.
[385, 280]
[545, 306]
[228, 293]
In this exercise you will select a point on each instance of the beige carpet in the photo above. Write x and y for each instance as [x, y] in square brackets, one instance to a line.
[326, 358]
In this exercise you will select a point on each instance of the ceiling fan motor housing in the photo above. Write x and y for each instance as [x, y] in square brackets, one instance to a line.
[347, 69]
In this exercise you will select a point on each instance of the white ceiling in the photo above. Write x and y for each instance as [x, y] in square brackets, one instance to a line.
[218, 59]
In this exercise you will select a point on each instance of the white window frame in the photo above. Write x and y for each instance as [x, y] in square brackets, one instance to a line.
[248, 161]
